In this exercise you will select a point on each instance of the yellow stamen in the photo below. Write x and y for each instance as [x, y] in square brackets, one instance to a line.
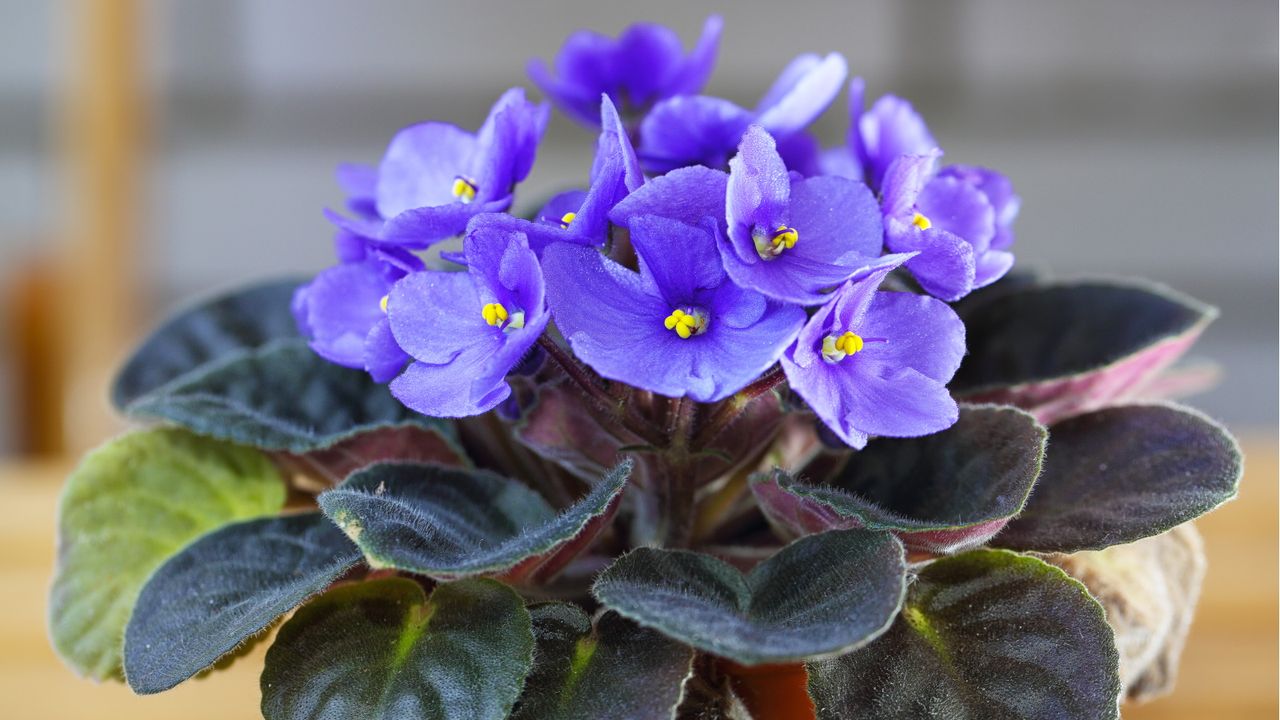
[686, 324]
[921, 221]
[464, 189]
[567, 218]
[835, 349]
[785, 237]
[771, 246]
[383, 303]
[494, 314]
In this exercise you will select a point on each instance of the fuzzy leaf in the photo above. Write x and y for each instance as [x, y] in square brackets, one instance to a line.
[209, 331]
[130, 505]
[382, 650]
[821, 595]
[453, 523]
[1125, 473]
[1062, 350]
[945, 492]
[618, 669]
[224, 589]
[281, 396]
[987, 635]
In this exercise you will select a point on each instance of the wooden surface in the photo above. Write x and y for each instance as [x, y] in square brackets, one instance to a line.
[1229, 670]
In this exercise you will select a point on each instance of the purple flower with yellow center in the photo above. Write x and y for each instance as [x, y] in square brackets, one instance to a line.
[950, 220]
[877, 136]
[582, 216]
[645, 64]
[699, 129]
[677, 327]
[435, 176]
[342, 311]
[791, 238]
[877, 363]
[465, 331]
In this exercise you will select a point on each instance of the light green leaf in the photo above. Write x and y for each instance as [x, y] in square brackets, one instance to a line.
[130, 505]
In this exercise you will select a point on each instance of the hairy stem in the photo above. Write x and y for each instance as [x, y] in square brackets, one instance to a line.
[678, 488]
[621, 411]
[729, 410]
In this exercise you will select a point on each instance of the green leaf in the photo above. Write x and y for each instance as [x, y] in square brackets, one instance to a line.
[616, 669]
[987, 635]
[382, 649]
[281, 396]
[224, 589]
[945, 492]
[130, 505]
[819, 596]
[1060, 350]
[1125, 473]
[211, 330]
[449, 523]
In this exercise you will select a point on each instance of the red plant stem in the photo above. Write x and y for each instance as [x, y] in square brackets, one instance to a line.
[619, 408]
[679, 489]
[730, 409]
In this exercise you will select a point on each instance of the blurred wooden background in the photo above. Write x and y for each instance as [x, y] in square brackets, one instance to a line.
[1229, 669]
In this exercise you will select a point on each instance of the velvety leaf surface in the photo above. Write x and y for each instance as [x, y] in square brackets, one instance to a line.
[281, 396]
[1060, 350]
[1125, 473]
[225, 588]
[945, 492]
[449, 523]
[987, 635]
[382, 650]
[227, 324]
[820, 595]
[615, 670]
[130, 505]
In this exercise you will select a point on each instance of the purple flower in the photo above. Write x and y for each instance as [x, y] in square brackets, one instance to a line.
[794, 239]
[436, 176]
[467, 330]
[877, 136]
[342, 311]
[679, 326]
[999, 191]
[582, 216]
[950, 220]
[705, 130]
[877, 363]
[644, 65]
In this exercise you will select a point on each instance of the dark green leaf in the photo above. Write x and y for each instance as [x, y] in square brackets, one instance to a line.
[1125, 473]
[225, 588]
[821, 595]
[281, 396]
[383, 650]
[130, 505]
[987, 635]
[225, 325]
[618, 669]
[449, 523]
[1060, 350]
[944, 492]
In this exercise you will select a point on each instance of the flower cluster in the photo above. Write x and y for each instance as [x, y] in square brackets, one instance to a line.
[713, 248]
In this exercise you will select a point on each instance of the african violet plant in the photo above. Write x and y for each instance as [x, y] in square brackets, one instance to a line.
[743, 401]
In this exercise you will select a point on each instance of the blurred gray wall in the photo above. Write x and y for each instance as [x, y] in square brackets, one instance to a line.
[1142, 134]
